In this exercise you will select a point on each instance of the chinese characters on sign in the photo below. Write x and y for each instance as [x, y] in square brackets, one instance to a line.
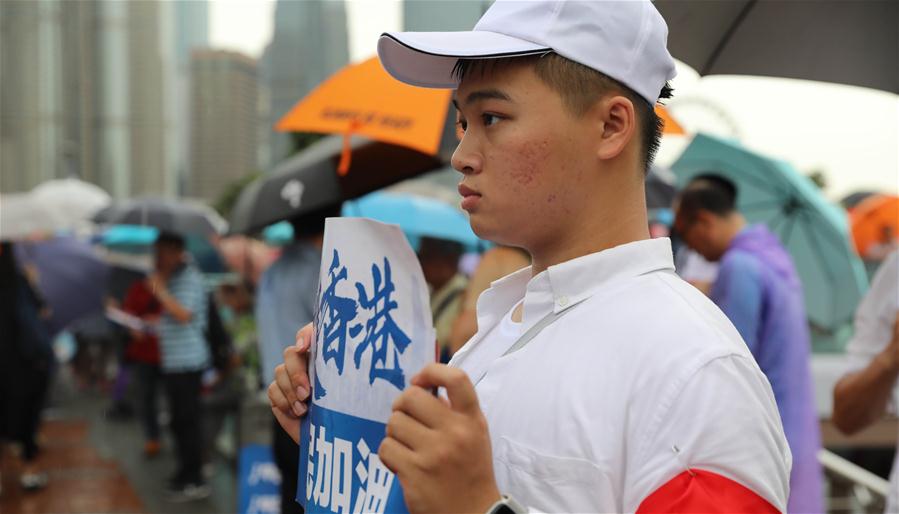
[381, 333]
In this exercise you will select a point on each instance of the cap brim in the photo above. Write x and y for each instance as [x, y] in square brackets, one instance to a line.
[427, 59]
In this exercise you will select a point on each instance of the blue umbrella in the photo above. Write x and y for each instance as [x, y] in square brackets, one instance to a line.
[71, 278]
[814, 231]
[416, 215]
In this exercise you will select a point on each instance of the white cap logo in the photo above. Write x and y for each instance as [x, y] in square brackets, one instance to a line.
[292, 192]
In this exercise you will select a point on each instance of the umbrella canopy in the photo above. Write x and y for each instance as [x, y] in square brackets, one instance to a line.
[853, 199]
[364, 99]
[416, 215]
[74, 290]
[815, 232]
[75, 200]
[851, 42]
[22, 216]
[660, 190]
[167, 215]
[309, 180]
[875, 221]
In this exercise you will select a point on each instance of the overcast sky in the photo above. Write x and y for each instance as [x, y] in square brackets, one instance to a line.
[850, 134]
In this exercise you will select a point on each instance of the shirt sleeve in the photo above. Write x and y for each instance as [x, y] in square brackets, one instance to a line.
[716, 445]
[738, 292]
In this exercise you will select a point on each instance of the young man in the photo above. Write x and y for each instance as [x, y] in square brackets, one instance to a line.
[567, 400]
[758, 289]
[178, 286]
[871, 387]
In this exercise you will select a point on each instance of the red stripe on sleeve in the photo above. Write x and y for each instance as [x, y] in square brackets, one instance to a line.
[706, 492]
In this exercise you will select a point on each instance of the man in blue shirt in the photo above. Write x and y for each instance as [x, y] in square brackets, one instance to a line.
[285, 302]
[178, 286]
[758, 289]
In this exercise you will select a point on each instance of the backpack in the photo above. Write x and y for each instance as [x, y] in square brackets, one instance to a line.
[221, 346]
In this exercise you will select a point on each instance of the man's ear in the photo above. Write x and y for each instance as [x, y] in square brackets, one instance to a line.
[618, 117]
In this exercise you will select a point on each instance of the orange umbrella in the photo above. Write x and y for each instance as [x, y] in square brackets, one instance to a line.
[873, 220]
[671, 126]
[363, 99]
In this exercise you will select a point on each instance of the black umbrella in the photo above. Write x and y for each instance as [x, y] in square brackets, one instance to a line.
[167, 215]
[309, 181]
[851, 200]
[852, 42]
[660, 189]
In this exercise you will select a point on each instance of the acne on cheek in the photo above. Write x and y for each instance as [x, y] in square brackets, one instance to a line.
[528, 160]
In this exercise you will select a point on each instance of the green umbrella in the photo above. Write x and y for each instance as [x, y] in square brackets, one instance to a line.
[814, 231]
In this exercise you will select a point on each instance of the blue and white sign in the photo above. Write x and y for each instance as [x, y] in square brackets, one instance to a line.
[373, 334]
[260, 481]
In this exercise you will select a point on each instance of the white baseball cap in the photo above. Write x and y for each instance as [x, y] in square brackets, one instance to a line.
[623, 39]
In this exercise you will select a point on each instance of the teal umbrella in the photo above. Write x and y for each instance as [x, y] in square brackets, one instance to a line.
[418, 216]
[814, 231]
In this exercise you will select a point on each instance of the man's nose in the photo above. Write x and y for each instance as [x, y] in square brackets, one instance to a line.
[466, 159]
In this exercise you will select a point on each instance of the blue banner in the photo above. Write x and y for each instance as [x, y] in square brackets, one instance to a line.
[343, 473]
[259, 481]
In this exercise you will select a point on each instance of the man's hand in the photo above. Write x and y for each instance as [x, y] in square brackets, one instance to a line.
[890, 355]
[290, 390]
[156, 283]
[439, 450]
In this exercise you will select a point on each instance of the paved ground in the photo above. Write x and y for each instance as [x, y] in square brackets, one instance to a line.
[96, 465]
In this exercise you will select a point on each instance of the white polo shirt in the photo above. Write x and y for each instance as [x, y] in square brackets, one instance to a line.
[643, 394]
[874, 320]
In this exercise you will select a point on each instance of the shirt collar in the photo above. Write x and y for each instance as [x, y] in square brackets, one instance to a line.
[569, 283]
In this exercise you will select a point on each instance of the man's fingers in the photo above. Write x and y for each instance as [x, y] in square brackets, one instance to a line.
[419, 404]
[277, 399]
[297, 372]
[396, 456]
[458, 387]
[289, 390]
[408, 431]
[304, 338]
[289, 424]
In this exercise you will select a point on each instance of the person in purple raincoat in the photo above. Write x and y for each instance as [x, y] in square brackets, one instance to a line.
[758, 289]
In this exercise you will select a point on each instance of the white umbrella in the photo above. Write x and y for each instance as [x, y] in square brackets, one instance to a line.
[22, 216]
[74, 201]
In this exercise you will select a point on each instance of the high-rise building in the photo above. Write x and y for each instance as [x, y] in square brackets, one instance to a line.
[223, 122]
[87, 91]
[437, 15]
[191, 33]
[308, 45]
[31, 121]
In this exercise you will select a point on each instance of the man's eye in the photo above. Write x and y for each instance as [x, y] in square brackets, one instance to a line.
[490, 119]
[462, 124]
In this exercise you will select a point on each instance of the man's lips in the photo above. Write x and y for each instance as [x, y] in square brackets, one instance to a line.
[466, 191]
[470, 197]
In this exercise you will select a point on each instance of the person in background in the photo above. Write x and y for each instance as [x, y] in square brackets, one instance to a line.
[143, 352]
[439, 260]
[758, 289]
[185, 355]
[871, 387]
[285, 302]
[496, 263]
[26, 364]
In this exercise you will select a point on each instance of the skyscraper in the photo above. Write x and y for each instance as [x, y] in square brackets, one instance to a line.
[437, 15]
[308, 45]
[88, 90]
[223, 122]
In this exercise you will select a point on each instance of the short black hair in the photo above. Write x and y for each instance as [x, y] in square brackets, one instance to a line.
[432, 247]
[710, 192]
[312, 223]
[170, 239]
[580, 87]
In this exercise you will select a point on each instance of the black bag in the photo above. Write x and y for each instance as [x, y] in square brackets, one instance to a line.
[221, 346]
